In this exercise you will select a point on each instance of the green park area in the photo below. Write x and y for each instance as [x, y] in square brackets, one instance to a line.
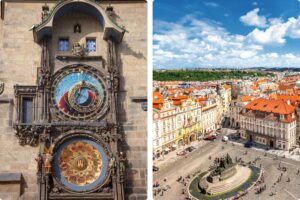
[207, 75]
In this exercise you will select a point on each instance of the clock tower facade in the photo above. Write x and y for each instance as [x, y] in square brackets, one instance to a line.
[75, 116]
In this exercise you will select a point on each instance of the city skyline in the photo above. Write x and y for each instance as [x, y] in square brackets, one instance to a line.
[226, 34]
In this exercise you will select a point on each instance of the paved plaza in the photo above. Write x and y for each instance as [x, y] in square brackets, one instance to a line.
[202, 158]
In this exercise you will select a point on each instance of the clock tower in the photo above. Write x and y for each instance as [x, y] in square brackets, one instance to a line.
[74, 122]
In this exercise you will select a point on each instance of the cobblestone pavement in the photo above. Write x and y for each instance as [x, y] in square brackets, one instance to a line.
[199, 160]
[172, 157]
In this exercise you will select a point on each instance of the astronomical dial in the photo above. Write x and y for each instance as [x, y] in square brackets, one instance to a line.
[78, 93]
[80, 164]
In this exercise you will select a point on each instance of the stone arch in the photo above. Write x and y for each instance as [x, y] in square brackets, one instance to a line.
[111, 29]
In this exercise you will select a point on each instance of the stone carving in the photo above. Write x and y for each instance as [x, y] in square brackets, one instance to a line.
[122, 163]
[28, 134]
[78, 49]
[1, 87]
[48, 159]
[77, 28]
[45, 12]
[112, 162]
[116, 81]
[20, 89]
[39, 160]
[106, 190]
[44, 77]
[224, 163]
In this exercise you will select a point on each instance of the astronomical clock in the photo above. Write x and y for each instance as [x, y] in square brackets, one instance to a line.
[74, 120]
[78, 93]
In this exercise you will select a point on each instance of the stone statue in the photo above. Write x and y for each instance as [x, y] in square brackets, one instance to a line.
[39, 160]
[77, 28]
[112, 162]
[122, 161]
[228, 159]
[48, 159]
[223, 164]
[78, 49]
[115, 82]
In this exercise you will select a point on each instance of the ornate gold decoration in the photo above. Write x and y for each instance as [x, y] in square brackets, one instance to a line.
[80, 163]
[48, 159]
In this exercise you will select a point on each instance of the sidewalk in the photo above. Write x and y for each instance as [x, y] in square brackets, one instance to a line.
[294, 155]
[172, 156]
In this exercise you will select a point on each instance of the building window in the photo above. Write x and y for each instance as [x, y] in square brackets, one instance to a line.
[27, 109]
[63, 44]
[90, 45]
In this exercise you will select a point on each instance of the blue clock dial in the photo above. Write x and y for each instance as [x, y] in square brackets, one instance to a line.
[78, 93]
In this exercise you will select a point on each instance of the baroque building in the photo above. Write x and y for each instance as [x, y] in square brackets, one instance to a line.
[73, 120]
[177, 121]
[270, 122]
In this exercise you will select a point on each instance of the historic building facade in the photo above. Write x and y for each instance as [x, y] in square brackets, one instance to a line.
[73, 120]
[177, 121]
[269, 122]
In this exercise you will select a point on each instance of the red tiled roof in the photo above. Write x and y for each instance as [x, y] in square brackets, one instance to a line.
[271, 106]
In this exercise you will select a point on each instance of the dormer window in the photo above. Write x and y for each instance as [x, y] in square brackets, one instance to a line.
[91, 45]
[63, 44]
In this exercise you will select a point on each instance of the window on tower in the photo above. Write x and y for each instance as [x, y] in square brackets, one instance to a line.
[91, 45]
[63, 44]
[27, 106]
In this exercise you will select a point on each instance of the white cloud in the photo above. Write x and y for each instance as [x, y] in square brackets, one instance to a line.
[272, 55]
[253, 19]
[277, 32]
[273, 35]
[247, 54]
[211, 4]
[209, 57]
[274, 21]
[155, 47]
[289, 56]
[294, 27]
[202, 43]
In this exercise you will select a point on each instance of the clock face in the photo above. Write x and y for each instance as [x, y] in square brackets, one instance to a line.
[80, 164]
[78, 93]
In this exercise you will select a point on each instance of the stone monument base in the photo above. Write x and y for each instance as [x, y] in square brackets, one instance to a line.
[227, 181]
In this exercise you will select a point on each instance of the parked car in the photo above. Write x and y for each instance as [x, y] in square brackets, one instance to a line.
[224, 138]
[210, 137]
[248, 144]
[190, 149]
[182, 153]
[155, 169]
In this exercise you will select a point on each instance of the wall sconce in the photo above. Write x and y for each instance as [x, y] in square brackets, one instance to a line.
[142, 100]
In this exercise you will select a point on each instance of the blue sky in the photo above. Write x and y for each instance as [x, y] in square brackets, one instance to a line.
[226, 33]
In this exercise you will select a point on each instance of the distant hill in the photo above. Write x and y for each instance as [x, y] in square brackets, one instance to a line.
[207, 75]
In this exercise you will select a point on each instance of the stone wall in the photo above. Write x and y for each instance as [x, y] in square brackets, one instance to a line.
[133, 52]
[19, 59]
